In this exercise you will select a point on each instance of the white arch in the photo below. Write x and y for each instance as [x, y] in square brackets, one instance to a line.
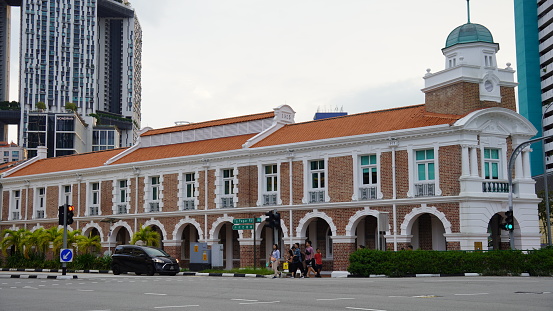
[179, 227]
[92, 225]
[38, 226]
[115, 229]
[216, 226]
[304, 223]
[259, 228]
[154, 222]
[413, 215]
[356, 218]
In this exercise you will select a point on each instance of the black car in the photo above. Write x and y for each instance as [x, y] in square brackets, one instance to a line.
[143, 260]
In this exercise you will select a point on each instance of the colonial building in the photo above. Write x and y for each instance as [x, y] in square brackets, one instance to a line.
[433, 176]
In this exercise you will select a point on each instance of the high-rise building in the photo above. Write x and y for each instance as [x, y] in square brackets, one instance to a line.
[86, 53]
[4, 50]
[534, 39]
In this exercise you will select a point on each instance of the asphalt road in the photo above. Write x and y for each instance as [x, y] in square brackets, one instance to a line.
[128, 292]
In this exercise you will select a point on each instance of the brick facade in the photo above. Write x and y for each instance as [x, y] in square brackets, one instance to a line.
[340, 181]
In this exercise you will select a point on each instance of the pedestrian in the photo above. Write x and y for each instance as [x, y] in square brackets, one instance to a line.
[318, 262]
[290, 260]
[298, 261]
[275, 260]
[309, 259]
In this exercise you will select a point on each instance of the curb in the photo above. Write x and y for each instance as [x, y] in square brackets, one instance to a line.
[36, 276]
[236, 275]
[423, 275]
[53, 270]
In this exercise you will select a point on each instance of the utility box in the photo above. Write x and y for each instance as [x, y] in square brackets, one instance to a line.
[200, 257]
[217, 255]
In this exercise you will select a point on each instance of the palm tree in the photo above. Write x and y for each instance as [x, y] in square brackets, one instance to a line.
[13, 239]
[52, 235]
[36, 241]
[72, 237]
[146, 235]
[90, 244]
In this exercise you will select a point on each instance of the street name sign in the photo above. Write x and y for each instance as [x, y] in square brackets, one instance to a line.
[242, 227]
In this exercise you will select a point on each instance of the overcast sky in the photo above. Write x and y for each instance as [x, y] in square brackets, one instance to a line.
[210, 59]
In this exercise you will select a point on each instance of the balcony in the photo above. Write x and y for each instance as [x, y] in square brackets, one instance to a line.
[93, 210]
[367, 193]
[121, 208]
[15, 215]
[39, 214]
[425, 190]
[270, 199]
[188, 204]
[153, 207]
[495, 186]
[316, 196]
[227, 202]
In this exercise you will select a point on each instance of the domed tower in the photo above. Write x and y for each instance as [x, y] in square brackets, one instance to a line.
[471, 79]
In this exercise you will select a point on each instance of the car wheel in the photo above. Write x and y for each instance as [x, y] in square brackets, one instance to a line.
[137, 273]
[116, 270]
[172, 273]
[150, 270]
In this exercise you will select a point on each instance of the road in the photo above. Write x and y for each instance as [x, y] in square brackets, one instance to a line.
[129, 292]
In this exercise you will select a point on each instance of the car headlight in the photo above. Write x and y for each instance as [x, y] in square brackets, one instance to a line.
[157, 260]
[177, 261]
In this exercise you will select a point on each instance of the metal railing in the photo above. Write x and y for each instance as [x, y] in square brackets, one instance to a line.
[15, 215]
[227, 202]
[270, 199]
[316, 196]
[93, 210]
[425, 190]
[122, 209]
[495, 186]
[188, 204]
[153, 207]
[367, 193]
[39, 214]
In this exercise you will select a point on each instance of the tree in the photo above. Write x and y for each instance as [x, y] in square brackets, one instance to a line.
[542, 214]
[146, 235]
[40, 106]
[13, 239]
[71, 107]
[52, 235]
[37, 241]
[72, 238]
[89, 244]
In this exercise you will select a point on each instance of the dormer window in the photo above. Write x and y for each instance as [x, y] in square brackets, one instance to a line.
[488, 61]
[452, 62]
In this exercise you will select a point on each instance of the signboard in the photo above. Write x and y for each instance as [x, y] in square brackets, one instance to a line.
[66, 255]
[242, 227]
[245, 221]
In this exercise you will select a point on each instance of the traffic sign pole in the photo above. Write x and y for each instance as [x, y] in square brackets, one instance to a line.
[64, 264]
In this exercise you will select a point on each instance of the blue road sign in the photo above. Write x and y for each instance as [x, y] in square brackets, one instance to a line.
[66, 255]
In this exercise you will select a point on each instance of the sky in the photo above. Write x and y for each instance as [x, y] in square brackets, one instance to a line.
[211, 59]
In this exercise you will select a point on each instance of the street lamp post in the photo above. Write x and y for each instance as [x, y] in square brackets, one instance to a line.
[545, 185]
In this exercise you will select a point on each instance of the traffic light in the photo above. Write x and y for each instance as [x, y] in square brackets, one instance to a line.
[70, 209]
[270, 220]
[61, 212]
[277, 219]
[509, 221]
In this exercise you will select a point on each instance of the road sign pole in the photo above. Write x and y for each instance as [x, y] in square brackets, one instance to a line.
[254, 246]
[64, 264]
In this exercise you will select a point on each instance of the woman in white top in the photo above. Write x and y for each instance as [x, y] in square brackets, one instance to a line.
[275, 259]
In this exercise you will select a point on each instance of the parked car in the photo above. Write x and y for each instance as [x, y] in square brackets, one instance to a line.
[143, 260]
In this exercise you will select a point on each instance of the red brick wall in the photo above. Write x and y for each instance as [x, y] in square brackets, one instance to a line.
[340, 179]
[5, 204]
[297, 181]
[82, 200]
[27, 203]
[211, 189]
[170, 193]
[247, 186]
[132, 195]
[450, 170]
[402, 174]
[341, 252]
[52, 202]
[285, 183]
[386, 182]
[464, 97]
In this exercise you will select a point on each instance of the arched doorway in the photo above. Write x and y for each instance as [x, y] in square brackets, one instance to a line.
[267, 237]
[122, 237]
[497, 239]
[231, 246]
[189, 235]
[160, 234]
[367, 233]
[319, 233]
[428, 233]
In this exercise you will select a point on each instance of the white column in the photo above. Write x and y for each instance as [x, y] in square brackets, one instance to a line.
[519, 170]
[526, 163]
[465, 162]
[473, 161]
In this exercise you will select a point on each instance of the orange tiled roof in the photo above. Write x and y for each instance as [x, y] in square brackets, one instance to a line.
[8, 165]
[68, 163]
[357, 124]
[192, 126]
[185, 149]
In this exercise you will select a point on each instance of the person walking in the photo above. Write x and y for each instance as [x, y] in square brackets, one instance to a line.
[290, 260]
[275, 260]
[298, 262]
[309, 259]
[318, 262]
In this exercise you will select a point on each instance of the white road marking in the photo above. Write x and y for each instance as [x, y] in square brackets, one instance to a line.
[258, 302]
[29, 287]
[168, 307]
[156, 294]
[352, 308]
[335, 299]
[85, 290]
[476, 294]
[238, 299]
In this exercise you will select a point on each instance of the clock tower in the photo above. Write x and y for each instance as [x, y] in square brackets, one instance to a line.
[471, 79]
